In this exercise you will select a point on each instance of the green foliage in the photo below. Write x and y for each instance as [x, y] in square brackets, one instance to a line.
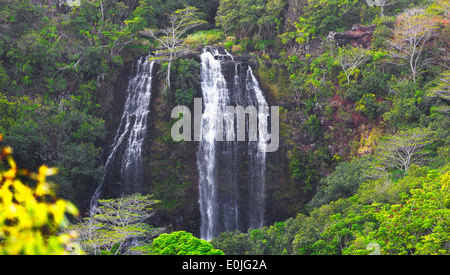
[94, 62]
[4, 78]
[350, 58]
[342, 183]
[85, 98]
[20, 12]
[181, 22]
[204, 38]
[244, 18]
[442, 92]
[406, 217]
[383, 32]
[339, 232]
[308, 81]
[305, 167]
[31, 47]
[416, 225]
[409, 104]
[104, 25]
[373, 79]
[405, 148]
[153, 13]
[312, 126]
[269, 240]
[59, 135]
[322, 16]
[182, 243]
[233, 243]
[414, 28]
[185, 81]
[368, 106]
[38, 56]
[178, 24]
[114, 222]
[53, 67]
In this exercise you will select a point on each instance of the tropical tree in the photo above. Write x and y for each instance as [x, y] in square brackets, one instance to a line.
[379, 3]
[349, 58]
[236, 17]
[417, 225]
[106, 28]
[270, 17]
[116, 221]
[322, 16]
[442, 91]
[243, 17]
[413, 30]
[170, 38]
[405, 148]
[104, 24]
[342, 183]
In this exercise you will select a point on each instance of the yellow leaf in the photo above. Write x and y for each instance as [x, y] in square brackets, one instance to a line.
[72, 209]
[26, 214]
[42, 189]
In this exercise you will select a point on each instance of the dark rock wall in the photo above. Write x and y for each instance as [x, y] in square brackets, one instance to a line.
[170, 169]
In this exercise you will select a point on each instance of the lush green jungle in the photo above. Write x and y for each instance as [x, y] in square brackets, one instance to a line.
[363, 89]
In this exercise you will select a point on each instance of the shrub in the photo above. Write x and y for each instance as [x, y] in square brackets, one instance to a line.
[383, 31]
[182, 243]
[204, 38]
[368, 106]
[342, 183]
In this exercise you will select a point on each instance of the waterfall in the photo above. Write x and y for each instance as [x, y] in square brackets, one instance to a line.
[124, 163]
[215, 98]
[258, 156]
[231, 173]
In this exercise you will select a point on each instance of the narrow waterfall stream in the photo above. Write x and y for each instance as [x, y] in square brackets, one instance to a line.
[124, 164]
[215, 98]
[258, 155]
[231, 173]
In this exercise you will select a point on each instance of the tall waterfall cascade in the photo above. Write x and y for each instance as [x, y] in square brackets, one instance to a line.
[231, 173]
[123, 167]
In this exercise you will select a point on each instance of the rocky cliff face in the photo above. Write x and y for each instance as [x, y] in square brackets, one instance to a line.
[170, 169]
[358, 36]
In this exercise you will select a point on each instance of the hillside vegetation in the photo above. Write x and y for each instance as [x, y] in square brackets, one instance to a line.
[363, 165]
